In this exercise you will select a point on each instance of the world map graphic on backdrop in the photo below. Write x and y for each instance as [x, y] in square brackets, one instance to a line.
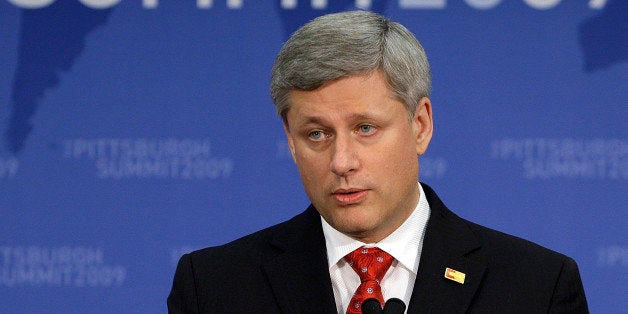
[603, 38]
[45, 49]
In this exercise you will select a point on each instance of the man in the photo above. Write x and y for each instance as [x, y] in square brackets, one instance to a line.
[352, 89]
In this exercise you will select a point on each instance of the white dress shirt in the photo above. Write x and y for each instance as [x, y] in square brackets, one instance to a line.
[404, 244]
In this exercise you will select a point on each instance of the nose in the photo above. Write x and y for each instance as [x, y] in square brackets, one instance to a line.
[344, 159]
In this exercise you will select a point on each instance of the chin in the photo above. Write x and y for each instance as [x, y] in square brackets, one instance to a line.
[359, 229]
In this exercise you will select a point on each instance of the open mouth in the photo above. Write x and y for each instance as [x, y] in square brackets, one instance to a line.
[349, 197]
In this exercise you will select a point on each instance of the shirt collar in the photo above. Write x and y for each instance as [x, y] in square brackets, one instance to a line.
[404, 244]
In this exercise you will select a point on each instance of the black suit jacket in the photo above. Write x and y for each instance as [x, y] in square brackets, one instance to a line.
[283, 269]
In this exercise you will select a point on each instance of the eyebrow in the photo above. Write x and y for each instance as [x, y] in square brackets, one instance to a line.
[350, 117]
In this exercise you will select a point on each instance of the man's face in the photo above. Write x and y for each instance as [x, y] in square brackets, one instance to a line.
[356, 151]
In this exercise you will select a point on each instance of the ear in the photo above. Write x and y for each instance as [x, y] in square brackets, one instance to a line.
[423, 125]
[290, 138]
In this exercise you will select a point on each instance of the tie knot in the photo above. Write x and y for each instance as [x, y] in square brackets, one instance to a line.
[370, 264]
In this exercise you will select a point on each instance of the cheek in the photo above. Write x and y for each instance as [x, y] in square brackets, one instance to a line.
[313, 180]
[398, 159]
[399, 146]
[311, 168]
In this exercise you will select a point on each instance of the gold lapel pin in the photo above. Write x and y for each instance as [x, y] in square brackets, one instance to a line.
[454, 275]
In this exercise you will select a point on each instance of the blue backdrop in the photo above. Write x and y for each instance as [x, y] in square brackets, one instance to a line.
[136, 131]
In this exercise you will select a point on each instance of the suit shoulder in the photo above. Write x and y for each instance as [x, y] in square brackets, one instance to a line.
[263, 242]
[239, 248]
[494, 245]
[497, 243]
[520, 267]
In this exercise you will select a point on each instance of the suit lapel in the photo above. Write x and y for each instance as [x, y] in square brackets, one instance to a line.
[447, 244]
[299, 274]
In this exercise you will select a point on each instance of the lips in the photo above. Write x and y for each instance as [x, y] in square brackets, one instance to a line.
[345, 197]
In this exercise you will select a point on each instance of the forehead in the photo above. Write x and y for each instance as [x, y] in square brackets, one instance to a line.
[353, 95]
[353, 85]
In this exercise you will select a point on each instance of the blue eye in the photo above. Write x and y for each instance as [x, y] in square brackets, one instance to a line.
[367, 129]
[316, 135]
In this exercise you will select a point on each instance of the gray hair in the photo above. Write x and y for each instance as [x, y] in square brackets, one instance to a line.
[347, 44]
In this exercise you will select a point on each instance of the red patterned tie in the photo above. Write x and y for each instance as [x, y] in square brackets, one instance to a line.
[371, 265]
